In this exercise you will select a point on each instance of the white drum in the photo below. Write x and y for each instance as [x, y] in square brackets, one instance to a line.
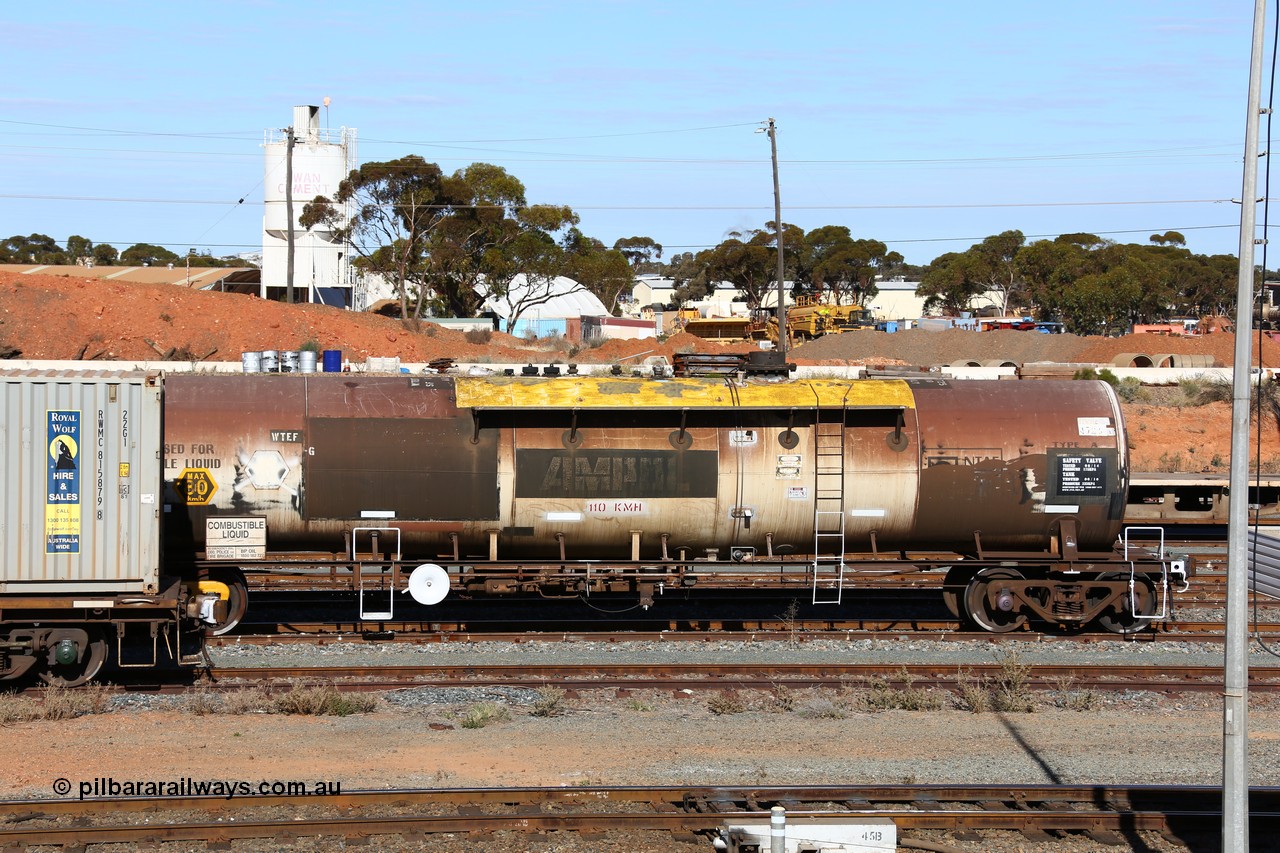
[429, 584]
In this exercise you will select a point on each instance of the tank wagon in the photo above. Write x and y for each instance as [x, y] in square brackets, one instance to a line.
[584, 485]
[134, 504]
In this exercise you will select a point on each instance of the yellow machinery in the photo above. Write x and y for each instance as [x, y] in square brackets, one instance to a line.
[760, 326]
[809, 318]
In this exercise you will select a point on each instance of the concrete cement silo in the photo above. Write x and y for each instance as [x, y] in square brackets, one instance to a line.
[322, 270]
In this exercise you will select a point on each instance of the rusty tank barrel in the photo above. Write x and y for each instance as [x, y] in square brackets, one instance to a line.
[608, 468]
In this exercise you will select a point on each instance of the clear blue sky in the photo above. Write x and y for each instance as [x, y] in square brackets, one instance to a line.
[927, 125]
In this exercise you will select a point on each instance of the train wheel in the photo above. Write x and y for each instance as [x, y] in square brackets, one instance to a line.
[987, 615]
[81, 664]
[238, 597]
[1136, 609]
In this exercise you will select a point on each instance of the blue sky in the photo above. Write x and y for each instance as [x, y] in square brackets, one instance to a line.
[927, 125]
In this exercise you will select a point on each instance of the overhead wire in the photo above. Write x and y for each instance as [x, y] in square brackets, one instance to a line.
[462, 144]
[678, 207]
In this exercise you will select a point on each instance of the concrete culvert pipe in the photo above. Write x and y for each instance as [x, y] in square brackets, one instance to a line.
[1132, 359]
[1192, 361]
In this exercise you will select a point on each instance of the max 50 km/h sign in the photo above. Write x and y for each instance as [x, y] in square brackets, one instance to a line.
[196, 486]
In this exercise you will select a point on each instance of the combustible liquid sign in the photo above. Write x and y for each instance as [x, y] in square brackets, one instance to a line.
[62, 502]
[229, 537]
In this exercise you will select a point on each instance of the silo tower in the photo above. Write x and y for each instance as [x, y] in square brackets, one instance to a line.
[322, 270]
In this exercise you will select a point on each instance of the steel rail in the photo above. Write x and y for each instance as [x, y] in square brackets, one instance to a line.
[1091, 809]
[438, 633]
[734, 676]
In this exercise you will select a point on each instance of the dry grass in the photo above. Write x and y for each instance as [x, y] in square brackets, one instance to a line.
[550, 703]
[782, 699]
[312, 699]
[1069, 697]
[1007, 691]
[883, 696]
[728, 702]
[56, 703]
[482, 714]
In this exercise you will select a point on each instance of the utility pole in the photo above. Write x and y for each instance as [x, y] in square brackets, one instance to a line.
[1235, 677]
[288, 212]
[772, 130]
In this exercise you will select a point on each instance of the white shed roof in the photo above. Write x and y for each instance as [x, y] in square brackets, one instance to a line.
[569, 299]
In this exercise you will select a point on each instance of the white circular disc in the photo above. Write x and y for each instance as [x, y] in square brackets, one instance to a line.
[429, 584]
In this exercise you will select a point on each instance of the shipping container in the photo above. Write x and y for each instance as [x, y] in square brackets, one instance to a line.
[80, 505]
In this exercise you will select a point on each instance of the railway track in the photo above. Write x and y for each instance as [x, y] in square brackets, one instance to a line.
[720, 677]
[1108, 814]
[713, 631]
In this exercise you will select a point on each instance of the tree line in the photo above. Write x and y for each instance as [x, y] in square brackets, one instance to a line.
[43, 249]
[1091, 285]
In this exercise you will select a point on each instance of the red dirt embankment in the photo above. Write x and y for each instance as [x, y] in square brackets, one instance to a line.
[56, 317]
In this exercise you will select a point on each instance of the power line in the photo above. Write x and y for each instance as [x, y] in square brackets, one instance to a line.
[42, 148]
[570, 138]
[459, 144]
[118, 132]
[669, 207]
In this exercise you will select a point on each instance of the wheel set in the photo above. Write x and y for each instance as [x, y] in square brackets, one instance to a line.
[994, 599]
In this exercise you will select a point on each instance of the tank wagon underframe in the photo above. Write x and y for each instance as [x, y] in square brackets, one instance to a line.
[67, 642]
[996, 593]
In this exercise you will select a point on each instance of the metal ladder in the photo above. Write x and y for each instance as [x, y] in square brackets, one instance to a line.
[380, 567]
[1171, 571]
[828, 507]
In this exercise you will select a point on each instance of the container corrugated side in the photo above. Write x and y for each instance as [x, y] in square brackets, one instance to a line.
[80, 505]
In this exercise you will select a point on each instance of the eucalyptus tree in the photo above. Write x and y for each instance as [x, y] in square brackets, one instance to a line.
[524, 271]
[1051, 267]
[748, 264]
[79, 249]
[485, 221]
[105, 254]
[848, 268]
[644, 254]
[146, 254]
[32, 249]
[955, 281]
[688, 271]
[948, 286]
[397, 204]
[994, 265]
[608, 273]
